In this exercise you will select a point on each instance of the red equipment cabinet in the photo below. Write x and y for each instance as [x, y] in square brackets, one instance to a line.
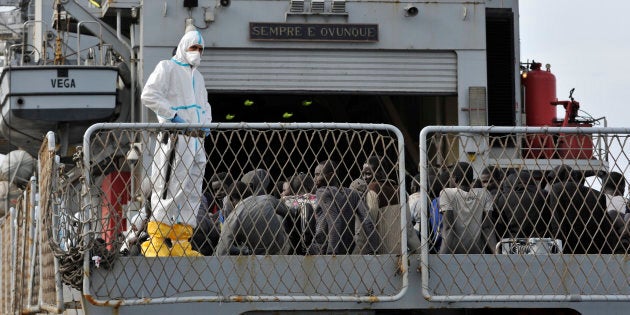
[573, 146]
[115, 188]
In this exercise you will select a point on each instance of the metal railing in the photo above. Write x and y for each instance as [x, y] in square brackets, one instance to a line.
[283, 151]
[30, 273]
[550, 251]
[558, 237]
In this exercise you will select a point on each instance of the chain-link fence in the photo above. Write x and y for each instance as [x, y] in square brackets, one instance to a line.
[531, 214]
[295, 212]
[504, 214]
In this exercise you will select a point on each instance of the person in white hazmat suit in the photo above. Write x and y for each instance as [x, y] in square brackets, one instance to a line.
[176, 92]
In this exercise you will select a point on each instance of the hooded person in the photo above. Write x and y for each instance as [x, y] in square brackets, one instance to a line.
[520, 208]
[257, 180]
[176, 92]
[579, 215]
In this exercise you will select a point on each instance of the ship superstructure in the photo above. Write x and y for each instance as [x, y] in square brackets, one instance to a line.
[422, 85]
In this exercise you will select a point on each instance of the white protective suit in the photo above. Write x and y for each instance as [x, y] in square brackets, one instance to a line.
[175, 87]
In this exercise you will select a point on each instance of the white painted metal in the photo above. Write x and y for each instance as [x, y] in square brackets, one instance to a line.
[387, 71]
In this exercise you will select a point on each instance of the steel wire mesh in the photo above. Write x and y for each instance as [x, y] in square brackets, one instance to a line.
[527, 215]
[269, 251]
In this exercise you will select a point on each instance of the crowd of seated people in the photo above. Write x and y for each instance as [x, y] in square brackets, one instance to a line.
[304, 215]
[316, 215]
[522, 205]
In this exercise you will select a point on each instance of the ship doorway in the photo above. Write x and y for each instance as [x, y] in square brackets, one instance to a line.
[409, 113]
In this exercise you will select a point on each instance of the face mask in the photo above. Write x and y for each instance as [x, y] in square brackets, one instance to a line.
[193, 57]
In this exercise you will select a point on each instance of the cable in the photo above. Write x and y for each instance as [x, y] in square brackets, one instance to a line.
[193, 24]
[588, 117]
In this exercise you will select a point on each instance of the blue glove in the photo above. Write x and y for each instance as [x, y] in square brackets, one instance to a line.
[206, 131]
[177, 119]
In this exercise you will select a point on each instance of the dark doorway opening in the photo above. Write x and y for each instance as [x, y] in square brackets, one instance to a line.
[409, 113]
